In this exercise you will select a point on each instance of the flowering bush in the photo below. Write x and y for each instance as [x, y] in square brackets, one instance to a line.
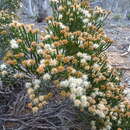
[7, 9]
[70, 56]
[10, 5]
[5, 34]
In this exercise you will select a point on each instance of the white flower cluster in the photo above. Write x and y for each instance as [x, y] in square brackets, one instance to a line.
[46, 76]
[1, 83]
[69, 2]
[99, 10]
[3, 66]
[32, 87]
[35, 84]
[62, 25]
[95, 46]
[127, 92]
[48, 47]
[96, 67]
[109, 67]
[85, 57]
[85, 21]
[46, 37]
[14, 44]
[85, 12]
[78, 88]
[39, 50]
[97, 93]
[53, 62]
[60, 16]
[81, 42]
[37, 101]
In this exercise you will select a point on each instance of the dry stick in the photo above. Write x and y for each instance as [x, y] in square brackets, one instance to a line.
[51, 117]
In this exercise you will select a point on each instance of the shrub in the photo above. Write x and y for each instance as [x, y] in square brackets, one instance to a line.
[70, 57]
[7, 14]
[10, 5]
[5, 34]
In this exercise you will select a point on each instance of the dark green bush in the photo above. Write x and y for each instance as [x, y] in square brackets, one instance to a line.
[10, 5]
